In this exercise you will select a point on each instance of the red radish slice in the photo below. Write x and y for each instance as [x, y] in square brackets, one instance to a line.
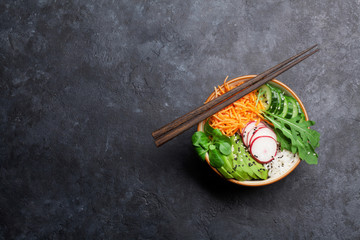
[251, 134]
[251, 125]
[263, 149]
[248, 128]
[263, 131]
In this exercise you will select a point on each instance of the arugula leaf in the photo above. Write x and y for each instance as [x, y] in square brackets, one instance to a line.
[296, 137]
[285, 142]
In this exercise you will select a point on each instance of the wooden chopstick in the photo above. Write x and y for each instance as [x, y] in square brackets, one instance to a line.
[156, 134]
[177, 127]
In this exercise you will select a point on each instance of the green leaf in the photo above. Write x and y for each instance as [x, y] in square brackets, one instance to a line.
[308, 154]
[201, 152]
[296, 136]
[199, 139]
[217, 133]
[285, 143]
[218, 146]
[208, 129]
[224, 148]
[222, 138]
[215, 158]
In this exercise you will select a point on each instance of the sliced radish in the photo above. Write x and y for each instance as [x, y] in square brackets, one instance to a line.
[246, 129]
[251, 134]
[263, 149]
[249, 128]
[262, 131]
[251, 125]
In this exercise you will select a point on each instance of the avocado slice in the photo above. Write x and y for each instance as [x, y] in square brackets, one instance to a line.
[224, 172]
[248, 166]
[258, 169]
[233, 172]
[228, 161]
[237, 162]
[243, 163]
[239, 169]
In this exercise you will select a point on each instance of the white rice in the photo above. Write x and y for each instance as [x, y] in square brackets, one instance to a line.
[282, 162]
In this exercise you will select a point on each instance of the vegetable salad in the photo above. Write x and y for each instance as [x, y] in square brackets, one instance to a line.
[263, 130]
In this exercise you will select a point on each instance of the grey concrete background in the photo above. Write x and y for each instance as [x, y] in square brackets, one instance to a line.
[84, 83]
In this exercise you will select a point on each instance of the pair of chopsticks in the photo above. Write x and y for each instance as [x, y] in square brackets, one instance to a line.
[181, 124]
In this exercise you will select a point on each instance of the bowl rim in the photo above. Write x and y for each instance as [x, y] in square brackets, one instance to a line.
[256, 183]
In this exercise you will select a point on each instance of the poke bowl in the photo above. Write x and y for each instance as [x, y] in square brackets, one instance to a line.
[275, 164]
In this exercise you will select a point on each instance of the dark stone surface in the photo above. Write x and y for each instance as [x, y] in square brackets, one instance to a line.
[84, 83]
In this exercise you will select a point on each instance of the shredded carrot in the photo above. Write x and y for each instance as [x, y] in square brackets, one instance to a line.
[234, 117]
